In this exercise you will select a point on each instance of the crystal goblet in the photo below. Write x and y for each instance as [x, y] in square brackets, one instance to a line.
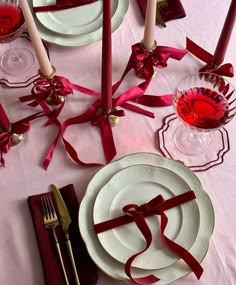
[15, 61]
[204, 103]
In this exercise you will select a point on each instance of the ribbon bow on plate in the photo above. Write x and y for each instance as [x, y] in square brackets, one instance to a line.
[137, 214]
[62, 4]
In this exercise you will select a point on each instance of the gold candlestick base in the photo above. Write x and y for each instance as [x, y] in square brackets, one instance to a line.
[16, 139]
[152, 48]
[50, 76]
[113, 119]
[55, 99]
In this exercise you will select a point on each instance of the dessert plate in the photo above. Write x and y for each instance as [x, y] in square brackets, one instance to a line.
[139, 184]
[83, 39]
[75, 21]
[105, 261]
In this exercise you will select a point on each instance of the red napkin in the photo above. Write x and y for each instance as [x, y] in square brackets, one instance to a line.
[53, 275]
[174, 10]
[62, 4]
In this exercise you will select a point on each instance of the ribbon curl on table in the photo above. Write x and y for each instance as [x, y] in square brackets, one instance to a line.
[62, 5]
[226, 69]
[20, 127]
[137, 214]
[156, 58]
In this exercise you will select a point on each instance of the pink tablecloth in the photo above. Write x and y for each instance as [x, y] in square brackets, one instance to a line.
[24, 175]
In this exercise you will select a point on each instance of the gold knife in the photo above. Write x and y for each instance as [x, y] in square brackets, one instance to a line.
[65, 220]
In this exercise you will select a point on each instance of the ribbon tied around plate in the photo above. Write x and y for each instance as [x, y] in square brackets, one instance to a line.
[157, 206]
[226, 69]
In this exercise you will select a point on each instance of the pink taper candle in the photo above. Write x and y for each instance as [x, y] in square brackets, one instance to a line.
[44, 63]
[106, 58]
[223, 42]
[150, 22]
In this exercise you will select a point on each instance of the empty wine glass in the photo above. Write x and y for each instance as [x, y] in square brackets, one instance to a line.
[204, 103]
[15, 61]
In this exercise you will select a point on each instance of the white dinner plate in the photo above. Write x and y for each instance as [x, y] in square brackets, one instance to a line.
[75, 21]
[84, 39]
[139, 184]
[105, 261]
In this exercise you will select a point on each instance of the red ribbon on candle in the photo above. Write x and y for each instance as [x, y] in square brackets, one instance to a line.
[223, 70]
[106, 91]
[223, 42]
[137, 214]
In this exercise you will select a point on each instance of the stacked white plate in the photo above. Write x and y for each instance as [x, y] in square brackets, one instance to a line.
[76, 26]
[136, 179]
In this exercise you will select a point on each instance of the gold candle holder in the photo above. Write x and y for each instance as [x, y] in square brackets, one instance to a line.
[53, 99]
[113, 119]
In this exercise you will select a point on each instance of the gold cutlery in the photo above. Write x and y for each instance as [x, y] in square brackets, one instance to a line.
[65, 220]
[161, 4]
[51, 221]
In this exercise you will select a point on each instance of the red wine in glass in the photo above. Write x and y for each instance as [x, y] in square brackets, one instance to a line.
[14, 61]
[202, 108]
[203, 102]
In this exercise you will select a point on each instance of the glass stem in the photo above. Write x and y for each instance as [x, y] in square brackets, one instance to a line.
[15, 55]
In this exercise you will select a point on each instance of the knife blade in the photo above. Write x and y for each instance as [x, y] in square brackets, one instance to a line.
[65, 221]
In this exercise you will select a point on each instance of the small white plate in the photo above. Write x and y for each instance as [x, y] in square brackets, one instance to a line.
[84, 39]
[74, 21]
[105, 261]
[138, 185]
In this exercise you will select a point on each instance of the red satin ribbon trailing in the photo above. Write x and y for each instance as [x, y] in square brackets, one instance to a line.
[137, 214]
[226, 69]
[19, 127]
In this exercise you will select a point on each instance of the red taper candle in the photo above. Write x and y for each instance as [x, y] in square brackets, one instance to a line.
[106, 58]
[223, 42]
[4, 121]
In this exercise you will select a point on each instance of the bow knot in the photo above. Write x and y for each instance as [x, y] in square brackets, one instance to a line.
[226, 69]
[153, 207]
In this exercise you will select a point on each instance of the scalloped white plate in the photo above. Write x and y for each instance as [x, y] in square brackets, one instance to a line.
[105, 261]
[75, 21]
[139, 184]
[84, 39]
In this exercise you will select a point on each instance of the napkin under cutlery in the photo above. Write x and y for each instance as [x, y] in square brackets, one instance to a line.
[61, 5]
[53, 275]
[174, 10]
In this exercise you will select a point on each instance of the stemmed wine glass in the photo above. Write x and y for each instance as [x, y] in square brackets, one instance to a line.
[204, 102]
[15, 61]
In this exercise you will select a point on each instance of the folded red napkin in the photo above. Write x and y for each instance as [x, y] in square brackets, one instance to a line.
[62, 4]
[53, 275]
[174, 10]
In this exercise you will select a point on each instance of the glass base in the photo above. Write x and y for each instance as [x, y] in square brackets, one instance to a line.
[17, 61]
[191, 142]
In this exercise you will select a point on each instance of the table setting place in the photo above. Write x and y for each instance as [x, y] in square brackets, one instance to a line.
[117, 142]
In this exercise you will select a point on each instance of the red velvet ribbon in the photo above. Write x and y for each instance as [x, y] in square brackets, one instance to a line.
[226, 69]
[19, 127]
[62, 5]
[137, 214]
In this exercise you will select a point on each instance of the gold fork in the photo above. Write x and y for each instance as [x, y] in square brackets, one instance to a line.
[51, 221]
[161, 4]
